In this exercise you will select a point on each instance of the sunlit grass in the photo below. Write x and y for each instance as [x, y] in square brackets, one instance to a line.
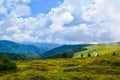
[94, 68]
[101, 49]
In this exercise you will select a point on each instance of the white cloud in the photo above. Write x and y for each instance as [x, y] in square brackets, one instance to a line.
[2, 10]
[1, 22]
[21, 10]
[109, 11]
[26, 1]
[75, 34]
[74, 21]
[26, 37]
[1, 2]
[59, 20]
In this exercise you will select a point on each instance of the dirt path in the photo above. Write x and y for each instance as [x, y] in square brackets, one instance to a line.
[95, 53]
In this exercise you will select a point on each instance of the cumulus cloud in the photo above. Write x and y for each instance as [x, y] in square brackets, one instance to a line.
[27, 1]
[1, 2]
[79, 21]
[2, 10]
[21, 10]
[59, 20]
[108, 11]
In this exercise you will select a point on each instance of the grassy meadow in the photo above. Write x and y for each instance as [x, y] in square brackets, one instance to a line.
[100, 49]
[93, 68]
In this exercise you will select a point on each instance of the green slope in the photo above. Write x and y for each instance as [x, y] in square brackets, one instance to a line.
[17, 51]
[94, 68]
[69, 50]
[13, 47]
[99, 49]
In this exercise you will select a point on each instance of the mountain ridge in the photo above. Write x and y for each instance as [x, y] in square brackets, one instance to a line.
[14, 47]
[43, 46]
[19, 51]
[68, 49]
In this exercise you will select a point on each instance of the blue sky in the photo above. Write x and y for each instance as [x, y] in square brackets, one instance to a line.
[60, 21]
[43, 6]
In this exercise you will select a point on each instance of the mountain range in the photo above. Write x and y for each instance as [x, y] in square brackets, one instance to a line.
[68, 50]
[44, 47]
[19, 51]
[31, 50]
[13, 47]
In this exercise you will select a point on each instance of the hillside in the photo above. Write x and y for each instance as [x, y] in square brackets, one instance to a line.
[44, 47]
[95, 68]
[19, 51]
[13, 47]
[68, 49]
[100, 49]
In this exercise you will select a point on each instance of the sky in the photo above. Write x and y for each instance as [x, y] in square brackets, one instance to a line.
[60, 21]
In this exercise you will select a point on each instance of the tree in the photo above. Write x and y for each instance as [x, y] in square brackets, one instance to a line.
[5, 58]
[89, 55]
[6, 64]
[114, 54]
[81, 55]
[64, 55]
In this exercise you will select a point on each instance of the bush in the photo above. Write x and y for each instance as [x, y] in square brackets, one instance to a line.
[5, 59]
[81, 55]
[114, 54]
[10, 66]
[89, 55]
[1, 66]
[64, 55]
[6, 64]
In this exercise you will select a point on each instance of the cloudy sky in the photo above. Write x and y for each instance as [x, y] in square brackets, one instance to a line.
[60, 21]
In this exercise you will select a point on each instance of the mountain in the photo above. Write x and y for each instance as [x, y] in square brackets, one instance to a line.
[26, 51]
[13, 47]
[20, 51]
[44, 47]
[68, 50]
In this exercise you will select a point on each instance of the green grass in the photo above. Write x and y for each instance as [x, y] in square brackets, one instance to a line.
[101, 49]
[94, 68]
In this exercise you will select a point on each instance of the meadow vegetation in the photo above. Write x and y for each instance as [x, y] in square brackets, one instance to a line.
[91, 68]
[99, 50]
[7, 65]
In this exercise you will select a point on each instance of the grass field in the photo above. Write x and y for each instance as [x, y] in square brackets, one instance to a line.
[101, 49]
[93, 68]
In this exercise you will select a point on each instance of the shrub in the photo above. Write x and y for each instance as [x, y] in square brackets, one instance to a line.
[115, 63]
[89, 55]
[81, 55]
[64, 55]
[6, 64]
[1, 66]
[9, 66]
[114, 54]
[5, 59]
